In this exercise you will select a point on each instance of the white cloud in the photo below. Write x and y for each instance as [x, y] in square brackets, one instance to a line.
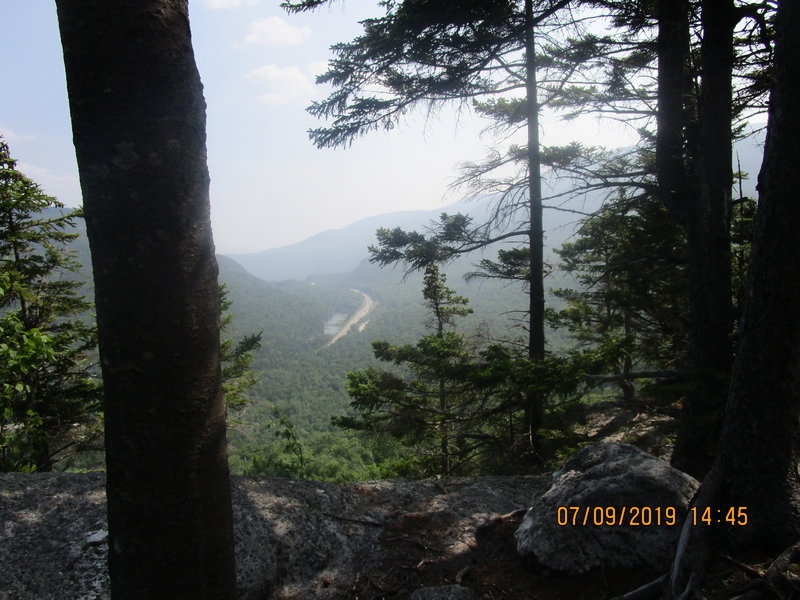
[65, 188]
[273, 31]
[45, 177]
[13, 137]
[229, 4]
[284, 84]
[318, 67]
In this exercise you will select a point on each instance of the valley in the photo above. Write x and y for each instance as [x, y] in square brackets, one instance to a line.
[359, 316]
[289, 294]
[303, 371]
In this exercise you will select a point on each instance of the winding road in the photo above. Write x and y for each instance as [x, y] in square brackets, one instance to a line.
[366, 306]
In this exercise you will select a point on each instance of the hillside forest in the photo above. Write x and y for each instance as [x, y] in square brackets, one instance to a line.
[575, 280]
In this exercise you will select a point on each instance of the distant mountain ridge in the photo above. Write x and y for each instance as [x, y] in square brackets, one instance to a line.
[328, 252]
[338, 251]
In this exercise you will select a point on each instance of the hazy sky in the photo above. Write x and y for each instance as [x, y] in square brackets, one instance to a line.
[270, 186]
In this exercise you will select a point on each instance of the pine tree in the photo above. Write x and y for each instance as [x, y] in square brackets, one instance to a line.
[50, 396]
[421, 409]
[424, 52]
[756, 466]
[629, 262]
[236, 357]
[448, 400]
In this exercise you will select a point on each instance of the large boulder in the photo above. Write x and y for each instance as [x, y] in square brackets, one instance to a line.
[611, 505]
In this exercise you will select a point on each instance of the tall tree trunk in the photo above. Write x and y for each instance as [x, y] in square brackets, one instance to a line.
[444, 443]
[673, 57]
[534, 410]
[756, 466]
[709, 244]
[693, 167]
[138, 119]
[759, 451]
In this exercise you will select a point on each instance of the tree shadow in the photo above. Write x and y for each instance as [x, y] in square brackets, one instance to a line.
[53, 536]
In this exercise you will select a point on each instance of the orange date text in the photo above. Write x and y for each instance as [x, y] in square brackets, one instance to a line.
[616, 516]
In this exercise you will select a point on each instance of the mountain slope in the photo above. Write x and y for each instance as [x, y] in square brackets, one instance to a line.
[341, 250]
[314, 281]
[333, 251]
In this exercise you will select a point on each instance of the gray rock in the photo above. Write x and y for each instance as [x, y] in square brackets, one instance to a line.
[302, 540]
[49, 547]
[600, 476]
[444, 592]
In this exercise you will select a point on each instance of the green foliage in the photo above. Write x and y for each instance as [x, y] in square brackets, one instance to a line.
[508, 111]
[456, 405]
[510, 265]
[419, 52]
[453, 236]
[629, 261]
[417, 250]
[22, 353]
[50, 396]
[630, 306]
[743, 215]
[236, 358]
[441, 301]
[327, 456]
[613, 73]
[285, 458]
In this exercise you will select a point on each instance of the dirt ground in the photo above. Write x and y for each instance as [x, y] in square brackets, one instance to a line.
[492, 568]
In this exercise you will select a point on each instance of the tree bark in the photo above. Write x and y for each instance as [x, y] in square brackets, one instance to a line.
[534, 410]
[756, 466]
[673, 57]
[759, 450]
[694, 170]
[138, 118]
[708, 236]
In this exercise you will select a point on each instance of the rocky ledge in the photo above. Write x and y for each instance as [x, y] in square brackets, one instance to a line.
[294, 539]
[447, 539]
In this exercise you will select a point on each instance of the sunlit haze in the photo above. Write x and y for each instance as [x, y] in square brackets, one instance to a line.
[270, 186]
